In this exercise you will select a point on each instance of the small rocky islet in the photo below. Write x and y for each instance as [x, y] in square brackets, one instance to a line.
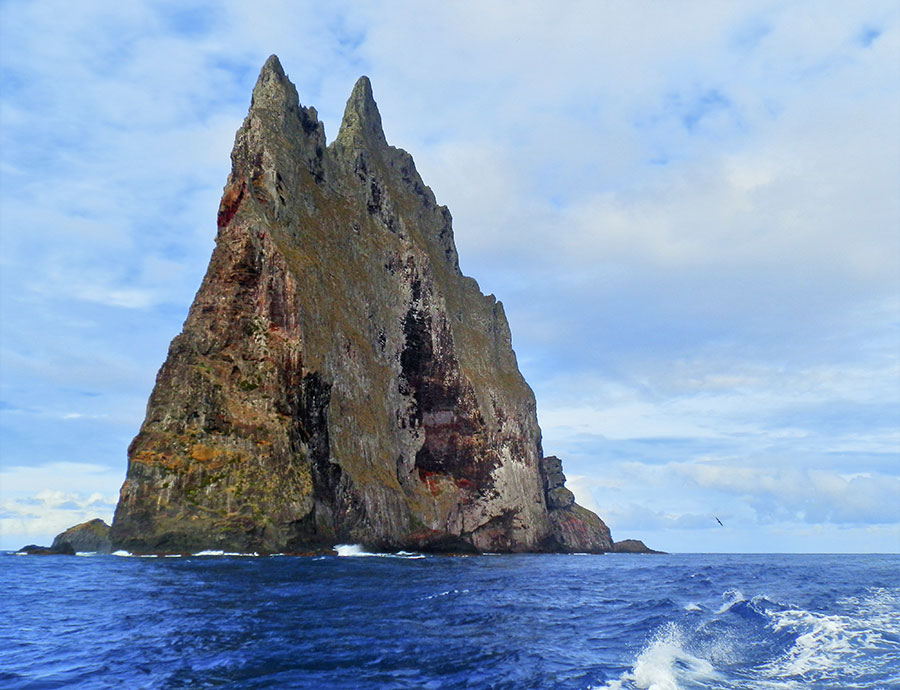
[88, 537]
[338, 379]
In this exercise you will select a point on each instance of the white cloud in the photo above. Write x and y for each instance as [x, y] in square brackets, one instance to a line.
[40, 502]
[761, 493]
[824, 409]
[583, 487]
[632, 518]
[61, 477]
[808, 495]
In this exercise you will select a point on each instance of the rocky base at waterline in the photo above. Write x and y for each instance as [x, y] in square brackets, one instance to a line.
[93, 536]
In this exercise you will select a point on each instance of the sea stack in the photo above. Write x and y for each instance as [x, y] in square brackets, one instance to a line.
[338, 379]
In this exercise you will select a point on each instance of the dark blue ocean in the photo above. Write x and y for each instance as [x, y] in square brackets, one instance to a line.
[529, 621]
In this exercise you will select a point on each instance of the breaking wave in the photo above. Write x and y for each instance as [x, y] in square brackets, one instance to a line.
[664, 664]
[352, 551]
[357, 551]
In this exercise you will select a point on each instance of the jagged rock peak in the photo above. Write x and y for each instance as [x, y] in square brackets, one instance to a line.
[272, 66]
[361, 117]
[273, 89]
[558, 496]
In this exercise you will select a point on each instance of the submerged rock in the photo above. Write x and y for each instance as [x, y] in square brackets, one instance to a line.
[92, 535]
[338, 379]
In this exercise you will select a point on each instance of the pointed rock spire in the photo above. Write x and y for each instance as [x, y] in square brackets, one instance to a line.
[361, 117]
[273, 89]
[272, 65]
[277, 133]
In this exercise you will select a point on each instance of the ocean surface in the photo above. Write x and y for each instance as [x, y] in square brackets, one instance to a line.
[616, 621]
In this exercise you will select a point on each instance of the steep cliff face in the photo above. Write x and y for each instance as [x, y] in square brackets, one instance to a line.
[338, 378]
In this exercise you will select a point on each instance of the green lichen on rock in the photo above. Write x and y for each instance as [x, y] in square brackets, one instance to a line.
[337, 377]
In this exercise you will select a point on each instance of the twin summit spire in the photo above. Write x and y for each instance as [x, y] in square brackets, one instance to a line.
[338, 380]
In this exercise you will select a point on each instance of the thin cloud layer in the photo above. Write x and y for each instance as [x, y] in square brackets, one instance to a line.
[690, 214]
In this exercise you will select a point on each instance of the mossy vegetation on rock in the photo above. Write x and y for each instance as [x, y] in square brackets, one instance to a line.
[338, 379]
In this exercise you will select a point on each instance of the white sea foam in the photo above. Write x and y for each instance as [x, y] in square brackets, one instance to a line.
[731, 597]
[693, 607]
[352, 551]
[210, 552]
[357, 551]
[857, 641]
[121, 553]
[664, 662]
[85, 554]
[447, 593]
[878, 609]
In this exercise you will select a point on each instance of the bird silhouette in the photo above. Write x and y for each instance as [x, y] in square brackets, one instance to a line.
[719, 521]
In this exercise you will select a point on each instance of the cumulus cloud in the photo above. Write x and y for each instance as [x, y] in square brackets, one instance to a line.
[40, 502]
[48, 513]
[761, 494]
[583, 488]
[632, 518]
[804, 495]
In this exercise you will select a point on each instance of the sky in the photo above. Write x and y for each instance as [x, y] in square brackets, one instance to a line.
[691, 212]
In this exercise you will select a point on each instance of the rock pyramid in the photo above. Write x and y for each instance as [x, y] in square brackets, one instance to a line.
[338, 379]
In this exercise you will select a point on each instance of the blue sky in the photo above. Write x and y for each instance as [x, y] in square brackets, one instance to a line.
[691, 212]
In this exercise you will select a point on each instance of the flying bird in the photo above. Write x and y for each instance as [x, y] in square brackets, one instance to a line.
[719, 521]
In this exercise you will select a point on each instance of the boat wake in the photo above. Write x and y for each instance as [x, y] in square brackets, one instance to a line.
[756, 644]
